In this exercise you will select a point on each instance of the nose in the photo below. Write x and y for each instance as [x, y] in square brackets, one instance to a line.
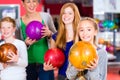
[31, 3]
[85, 33]
[66, 15]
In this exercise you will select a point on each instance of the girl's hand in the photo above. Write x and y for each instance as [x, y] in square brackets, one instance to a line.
[46, 32]
[12, 56]
[29, 41]
[4, 65]
[93, 64]
[48, 66]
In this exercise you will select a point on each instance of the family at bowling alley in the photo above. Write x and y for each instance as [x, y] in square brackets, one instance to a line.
[72, 52]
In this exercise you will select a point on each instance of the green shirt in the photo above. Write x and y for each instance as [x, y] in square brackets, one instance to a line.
[37, 50]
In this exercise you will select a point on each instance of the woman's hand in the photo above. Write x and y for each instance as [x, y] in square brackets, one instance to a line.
[46, 32]
[29, 41]
[12, 56]
[48, 66]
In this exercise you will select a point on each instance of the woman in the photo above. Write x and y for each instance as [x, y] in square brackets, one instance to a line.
[38, 48]
[65, 37]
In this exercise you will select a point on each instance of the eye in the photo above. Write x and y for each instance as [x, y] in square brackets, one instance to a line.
[81, 30]
[70, 13]
[28, 1]
[89, 29]
[34, 1]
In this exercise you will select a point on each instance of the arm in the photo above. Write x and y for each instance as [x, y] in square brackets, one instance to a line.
[51, 23]
[100, 72]
[21, 58]
[52, 43]
[47, 65]
[102, 63]
[49, 28]
[71, 72]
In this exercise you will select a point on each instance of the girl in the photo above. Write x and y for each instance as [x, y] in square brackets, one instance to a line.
[87, 31]
[14, 69]
[65, 37]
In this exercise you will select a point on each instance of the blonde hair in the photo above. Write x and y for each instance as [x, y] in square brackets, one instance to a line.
[8, 19]
[61, 36]
[93, 21]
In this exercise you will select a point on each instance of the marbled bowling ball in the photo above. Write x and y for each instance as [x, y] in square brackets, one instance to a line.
[4, 49]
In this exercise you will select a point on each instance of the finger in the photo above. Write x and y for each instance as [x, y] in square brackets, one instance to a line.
[9, 57]
[27, 38]
[34, 40]
[42, 36]
[9, 54]
[43, 28]
[55, 68]
[9, 60]
[44, 63]
[48, 62]
[45, 25]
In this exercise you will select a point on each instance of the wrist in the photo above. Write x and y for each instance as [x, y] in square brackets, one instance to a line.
[50, 34]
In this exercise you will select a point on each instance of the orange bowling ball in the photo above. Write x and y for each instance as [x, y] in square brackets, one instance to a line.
[101, 41]
[81, 54]
[4, 48]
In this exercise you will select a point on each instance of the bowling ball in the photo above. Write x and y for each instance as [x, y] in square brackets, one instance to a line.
[110, 48]
[33, 30]
[56, 57]
[4, 48]
[101, 41]
[81, 54]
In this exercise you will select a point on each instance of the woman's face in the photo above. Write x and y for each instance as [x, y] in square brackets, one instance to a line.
[30, 5]
[87, 31]
[7, 29]
[68, 15]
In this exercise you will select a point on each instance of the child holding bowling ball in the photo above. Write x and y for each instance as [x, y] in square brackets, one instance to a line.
[13, 69]
[87, 31]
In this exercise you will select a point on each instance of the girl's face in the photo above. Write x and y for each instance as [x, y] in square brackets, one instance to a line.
[68, 15]
[30, 5]
[87, 31]
[7, 29]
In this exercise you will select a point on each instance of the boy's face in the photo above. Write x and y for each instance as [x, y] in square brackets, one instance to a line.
[87, 31]
[7, 29]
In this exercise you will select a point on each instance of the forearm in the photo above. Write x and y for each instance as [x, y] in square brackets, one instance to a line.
[23, 58]
[71, 72]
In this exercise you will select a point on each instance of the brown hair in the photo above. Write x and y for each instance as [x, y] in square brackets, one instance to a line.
[24, 0]
[61, 36]
[8, 19]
